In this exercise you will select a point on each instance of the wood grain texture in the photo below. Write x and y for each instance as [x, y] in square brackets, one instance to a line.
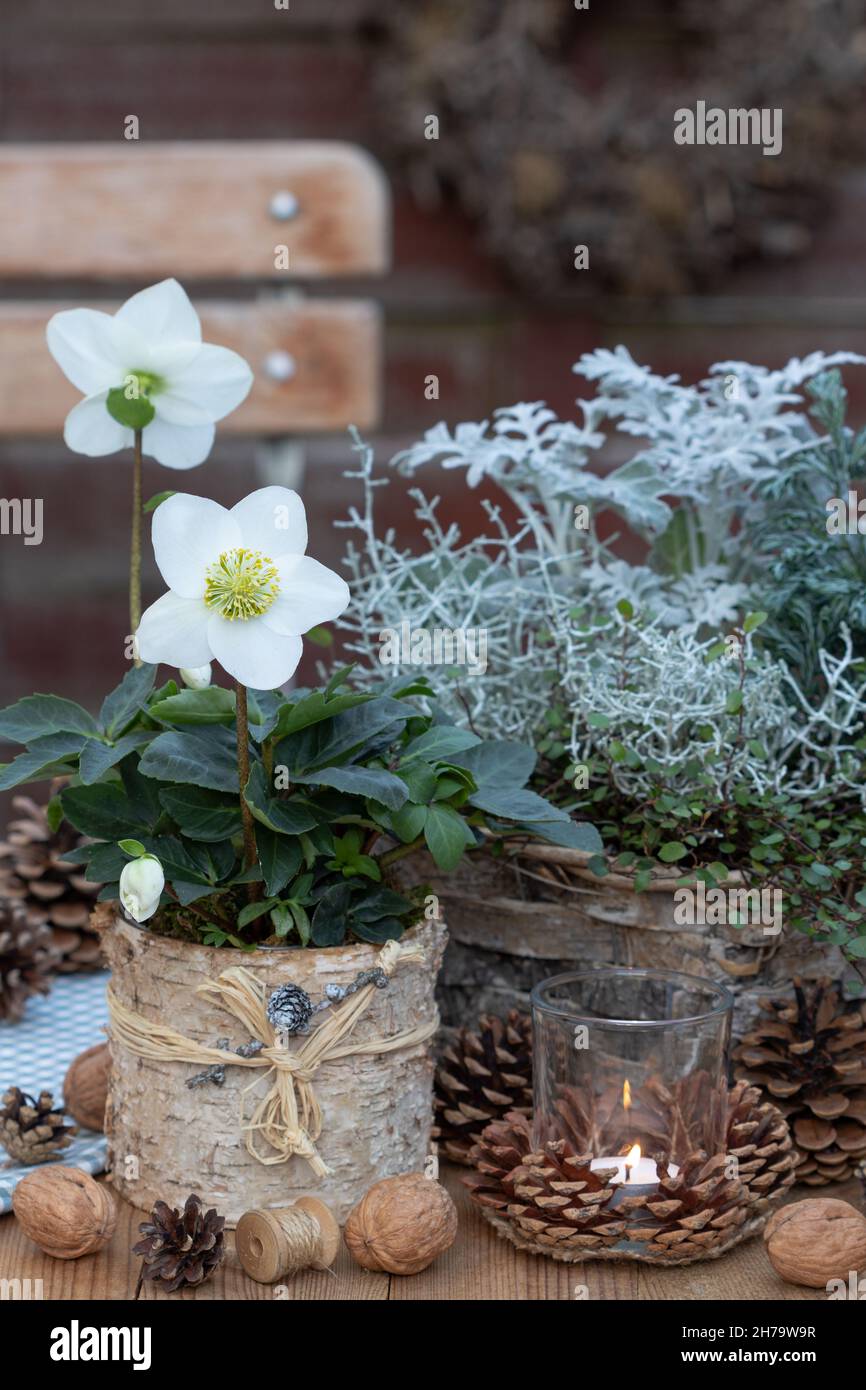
[336, 346]
[479, 1266]
[197, 210]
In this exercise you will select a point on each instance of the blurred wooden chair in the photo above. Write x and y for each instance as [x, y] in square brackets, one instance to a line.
[260, 218]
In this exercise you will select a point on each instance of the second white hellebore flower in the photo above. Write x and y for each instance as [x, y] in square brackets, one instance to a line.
[241, 589]
[148, 358]
[141, 883]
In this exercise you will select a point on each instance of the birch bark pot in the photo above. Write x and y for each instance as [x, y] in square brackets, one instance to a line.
[167, 1140]
[538, 911]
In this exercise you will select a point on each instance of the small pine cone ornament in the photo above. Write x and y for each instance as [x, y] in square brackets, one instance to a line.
[808, 1056]
[290, 1009]
[551, 1201]
[180, 1248]
[28, 959]
[33, 1131]
[482, 1076]
[33, 870]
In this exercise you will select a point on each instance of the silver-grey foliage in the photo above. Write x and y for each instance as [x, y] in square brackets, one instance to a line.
[568, 622]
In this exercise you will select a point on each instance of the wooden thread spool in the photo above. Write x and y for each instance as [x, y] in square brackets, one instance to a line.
[272, 1244]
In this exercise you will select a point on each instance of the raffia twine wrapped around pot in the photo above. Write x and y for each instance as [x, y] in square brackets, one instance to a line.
[537, 910]
[328, 1114]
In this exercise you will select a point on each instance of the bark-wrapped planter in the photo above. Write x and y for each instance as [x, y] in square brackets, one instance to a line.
[167, 1140]
[537, 910]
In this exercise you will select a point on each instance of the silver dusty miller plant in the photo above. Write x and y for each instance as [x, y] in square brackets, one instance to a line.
[574, 630]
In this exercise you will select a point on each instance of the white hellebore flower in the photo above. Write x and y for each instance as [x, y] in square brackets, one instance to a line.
[141, 885]
[242, 590]
[197, 677]
[149, 352]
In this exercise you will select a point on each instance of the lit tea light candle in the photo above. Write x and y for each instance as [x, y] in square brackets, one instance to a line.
[632, 1169]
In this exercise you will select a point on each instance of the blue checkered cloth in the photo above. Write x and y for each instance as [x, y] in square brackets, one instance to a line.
[35, 1054]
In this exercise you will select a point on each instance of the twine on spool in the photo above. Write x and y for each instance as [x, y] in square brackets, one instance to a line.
[274, 1244]
[288, 1117]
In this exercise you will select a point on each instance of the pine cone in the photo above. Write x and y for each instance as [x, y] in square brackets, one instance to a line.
[34, 871]
[553, 1201]
[809, 1057]
[290, 1008]
[28, 958]
[481, 1077]
[180, 1248]
[33, 1131]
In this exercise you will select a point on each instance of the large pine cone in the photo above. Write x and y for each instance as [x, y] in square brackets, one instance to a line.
[552, 1201]
[28, 958]
[180, 1248]
[53, 891]
[809, 1057]
[481, 1077]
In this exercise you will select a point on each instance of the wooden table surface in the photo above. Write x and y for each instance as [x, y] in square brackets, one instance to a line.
[479, 1266]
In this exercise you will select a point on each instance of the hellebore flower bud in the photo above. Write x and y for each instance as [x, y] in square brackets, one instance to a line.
[141, 885]
[196, 677]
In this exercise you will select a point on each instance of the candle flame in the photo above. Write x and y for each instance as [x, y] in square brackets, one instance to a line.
[626, 1094]
[632, 1158]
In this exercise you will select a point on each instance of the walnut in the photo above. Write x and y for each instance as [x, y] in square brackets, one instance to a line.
[401, 1224]
[817, 1240]
[65, 1212]
[85, 1090]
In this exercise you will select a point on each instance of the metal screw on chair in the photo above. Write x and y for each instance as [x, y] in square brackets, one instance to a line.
[280, 365]
[284, 206]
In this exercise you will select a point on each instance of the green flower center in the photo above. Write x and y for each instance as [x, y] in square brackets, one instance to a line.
[137, 383]
[241, 584]
[130, 404]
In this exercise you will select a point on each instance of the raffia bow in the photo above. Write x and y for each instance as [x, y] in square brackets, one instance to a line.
[288, 1118]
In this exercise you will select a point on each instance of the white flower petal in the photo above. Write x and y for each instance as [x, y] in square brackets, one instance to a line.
[273, 521]
[82, 343]
[176, 446]
[189, 533]
[174, 630]
[309, 594]
[208, 387]
[253, 653]
[89, 429]
[165, 359]
[162, 311]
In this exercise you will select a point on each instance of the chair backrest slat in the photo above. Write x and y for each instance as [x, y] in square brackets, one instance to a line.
[265, 215]
[194, 209]
[333, 346]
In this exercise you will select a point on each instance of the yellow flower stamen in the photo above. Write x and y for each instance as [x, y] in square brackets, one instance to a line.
[241, 584]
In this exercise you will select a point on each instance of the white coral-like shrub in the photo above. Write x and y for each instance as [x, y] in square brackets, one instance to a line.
[546, 591]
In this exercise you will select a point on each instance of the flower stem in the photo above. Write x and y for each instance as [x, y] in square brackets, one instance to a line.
[243, 731]
[135, 544]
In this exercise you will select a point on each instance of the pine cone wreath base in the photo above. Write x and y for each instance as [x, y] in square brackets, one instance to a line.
[482, 1076]
[52, 891]
[808, 1057]
[552, 1203]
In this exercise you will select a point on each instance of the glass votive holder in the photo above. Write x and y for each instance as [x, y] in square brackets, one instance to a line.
[631, 1068]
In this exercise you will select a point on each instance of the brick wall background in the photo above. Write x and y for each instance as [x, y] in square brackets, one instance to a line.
[233, 69]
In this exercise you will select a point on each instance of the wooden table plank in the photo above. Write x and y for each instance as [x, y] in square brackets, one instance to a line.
[480, 1266]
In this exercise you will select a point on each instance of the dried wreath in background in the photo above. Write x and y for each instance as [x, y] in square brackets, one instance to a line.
[556, 128]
